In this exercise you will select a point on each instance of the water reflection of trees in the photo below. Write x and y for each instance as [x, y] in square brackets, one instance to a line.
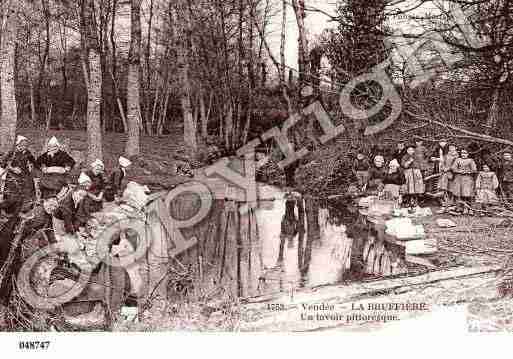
[300, 222]
[304, 226]
[345, 211]
[289, 227]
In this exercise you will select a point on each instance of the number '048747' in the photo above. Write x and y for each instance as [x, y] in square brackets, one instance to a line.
[33, 345]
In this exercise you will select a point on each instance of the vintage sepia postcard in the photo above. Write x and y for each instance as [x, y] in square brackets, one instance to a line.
[255, 166]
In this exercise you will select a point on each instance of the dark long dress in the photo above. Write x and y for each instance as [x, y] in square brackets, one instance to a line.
[19, 188]
[393, 183]
[506, 178]
[7, 237]
[361, 171]
[413, 175]
[399, 154]
[52, 183]
[463, 183]
[115, 185]
[376, 176]
[73, 214]
[97, 187]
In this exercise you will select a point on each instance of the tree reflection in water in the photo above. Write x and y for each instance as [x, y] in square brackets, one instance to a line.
[318, 230]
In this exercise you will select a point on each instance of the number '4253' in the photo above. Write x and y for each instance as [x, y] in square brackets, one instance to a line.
[275, 306]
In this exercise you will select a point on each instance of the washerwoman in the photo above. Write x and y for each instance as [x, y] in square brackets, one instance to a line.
[55, 165]
[462, 187]
[377, 173]
[393, 181]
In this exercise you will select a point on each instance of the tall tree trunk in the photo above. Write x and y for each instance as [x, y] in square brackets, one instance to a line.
[163, 115]
[228, 130]
[94, 100]
[134, 64]
[93, 76]
[315, 69]
[114, 70]
[43, 62]
[283, 85]
[228, 126]
[184, 56]
[63, 40]
[203, 114]
[251, 74]
[493, 114]
[33, 115]
[7, 85]
[240, 77]
[104, 45]
[147, 87]
[303, 61]
[282, 42]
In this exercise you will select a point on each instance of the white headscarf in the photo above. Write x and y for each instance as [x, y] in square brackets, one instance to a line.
[124, 162]
[83, 179]
[53, 142]
[21, 139]
[98, 163]
[380, 159]
[394, 163]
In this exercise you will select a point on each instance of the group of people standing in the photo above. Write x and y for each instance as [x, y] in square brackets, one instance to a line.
[44, 182]
[460, 180]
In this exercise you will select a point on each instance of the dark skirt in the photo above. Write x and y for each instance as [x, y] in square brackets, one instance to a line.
[18, 193]
[109, 193]
[19, 187]
[92, 206]
[462, 185]
[52, 183]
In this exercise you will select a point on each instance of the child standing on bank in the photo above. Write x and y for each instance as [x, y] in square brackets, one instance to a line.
[486, 187]
[361, 166]
[414, 181]
[421, 157]
[446, 177]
